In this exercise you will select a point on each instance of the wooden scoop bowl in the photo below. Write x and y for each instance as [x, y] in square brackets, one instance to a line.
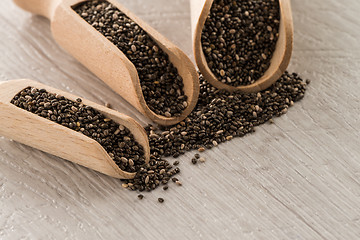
[106, 61]
[200, 9]
[38, 132]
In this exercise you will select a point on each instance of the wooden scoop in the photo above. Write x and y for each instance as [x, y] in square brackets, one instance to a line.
[106, 61]
[38, 132]
[200, 9]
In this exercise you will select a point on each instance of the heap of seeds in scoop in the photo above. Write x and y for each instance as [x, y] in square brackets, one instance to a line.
[114, 138]
[161, 84]
[220, 116]
[239, 38]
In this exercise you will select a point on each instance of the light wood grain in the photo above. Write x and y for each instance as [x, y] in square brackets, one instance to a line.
[106, 61]
[41, 133]
[280, 60]
[296, 179]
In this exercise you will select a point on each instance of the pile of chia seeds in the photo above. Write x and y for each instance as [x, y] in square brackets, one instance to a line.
[218, 117]
[239, 38]
[160, 82]
[116, 139]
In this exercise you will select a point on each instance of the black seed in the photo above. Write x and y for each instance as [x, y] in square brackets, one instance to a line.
[140, 196]
[161, 200]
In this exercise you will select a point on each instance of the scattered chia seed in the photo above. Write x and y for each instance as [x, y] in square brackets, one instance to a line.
[108, 105]
[201, 149]
[176, 163]
[202, 159]
[140, 196]
[161, 84]
[197, 156]
[194, 161]
[161, 200]
[165, 188]
[239, 38]
[116, 139]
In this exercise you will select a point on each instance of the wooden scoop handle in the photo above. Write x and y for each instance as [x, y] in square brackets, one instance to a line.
[44, 8]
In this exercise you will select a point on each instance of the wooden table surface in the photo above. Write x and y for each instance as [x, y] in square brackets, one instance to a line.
[296, 179]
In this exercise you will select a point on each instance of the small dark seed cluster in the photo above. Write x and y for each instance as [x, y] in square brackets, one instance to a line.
[161, 84]
[239, 38]
[157, 172]
[116, 139]
[197, 158]
[220, 116]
